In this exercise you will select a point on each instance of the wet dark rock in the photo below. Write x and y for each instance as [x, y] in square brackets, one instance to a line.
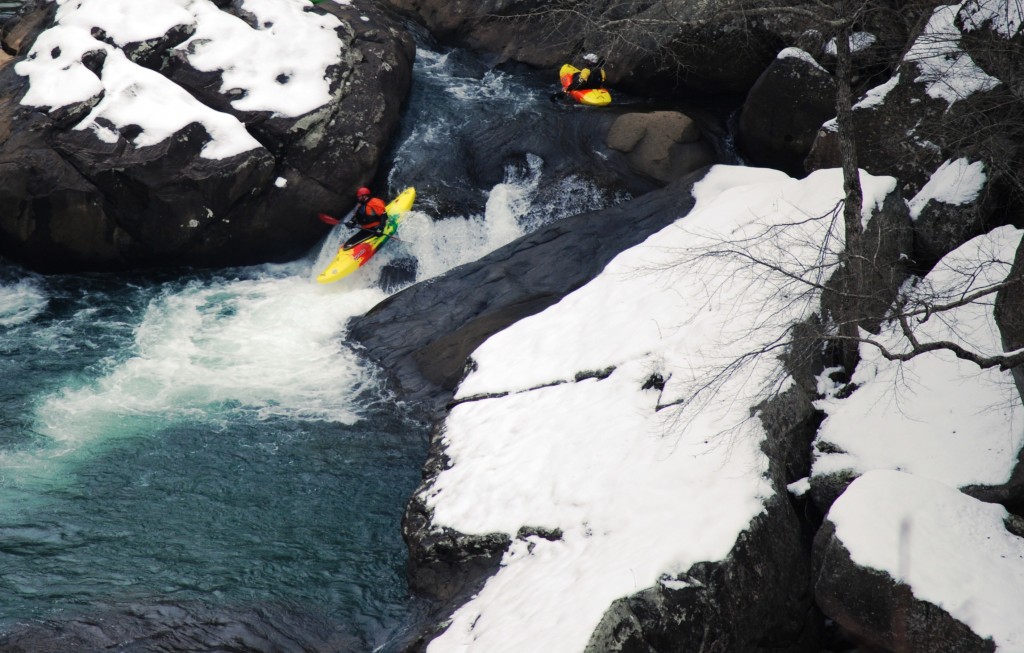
[647, 55]
[20, 32]
[754, 600]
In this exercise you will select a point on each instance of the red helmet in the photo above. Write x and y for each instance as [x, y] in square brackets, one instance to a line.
[363, 192]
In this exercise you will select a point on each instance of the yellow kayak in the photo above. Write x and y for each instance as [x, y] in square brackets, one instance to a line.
[349, 260]
[595, 97]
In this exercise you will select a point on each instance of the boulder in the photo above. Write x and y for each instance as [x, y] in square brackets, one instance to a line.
[882, 121]
[663, 145]
[957, 203]
[1009, 317]
[90, 181]
[879, 610]
[783, 111]
[753, 601]
[904, 563]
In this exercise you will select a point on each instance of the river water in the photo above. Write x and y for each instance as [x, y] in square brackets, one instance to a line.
[200, 452]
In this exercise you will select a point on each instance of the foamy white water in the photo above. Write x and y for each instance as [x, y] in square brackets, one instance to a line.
[271, 345]
[20, 302]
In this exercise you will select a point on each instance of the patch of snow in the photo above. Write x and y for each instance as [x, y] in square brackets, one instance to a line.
[266, 63]
[947, 71]
[54, 67]
[138, 96]
[955, 182]
[800, 487]
[125, 21]
[876, 96]
[802, 55]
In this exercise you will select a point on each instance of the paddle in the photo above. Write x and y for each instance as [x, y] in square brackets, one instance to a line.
[331, 220]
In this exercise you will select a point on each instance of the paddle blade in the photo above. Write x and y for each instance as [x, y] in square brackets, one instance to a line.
[328, 219]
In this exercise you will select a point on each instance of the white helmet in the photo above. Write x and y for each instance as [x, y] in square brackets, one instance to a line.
[590, 57]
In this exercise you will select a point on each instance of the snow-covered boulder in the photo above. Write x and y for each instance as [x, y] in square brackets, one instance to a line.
[899, 124]
[935, 416]
[152, 132]
[955, 204]
[910, 564]
[940, 106]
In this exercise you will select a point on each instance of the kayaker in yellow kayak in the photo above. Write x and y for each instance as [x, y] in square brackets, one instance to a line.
[591, 76]
[369, 216]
